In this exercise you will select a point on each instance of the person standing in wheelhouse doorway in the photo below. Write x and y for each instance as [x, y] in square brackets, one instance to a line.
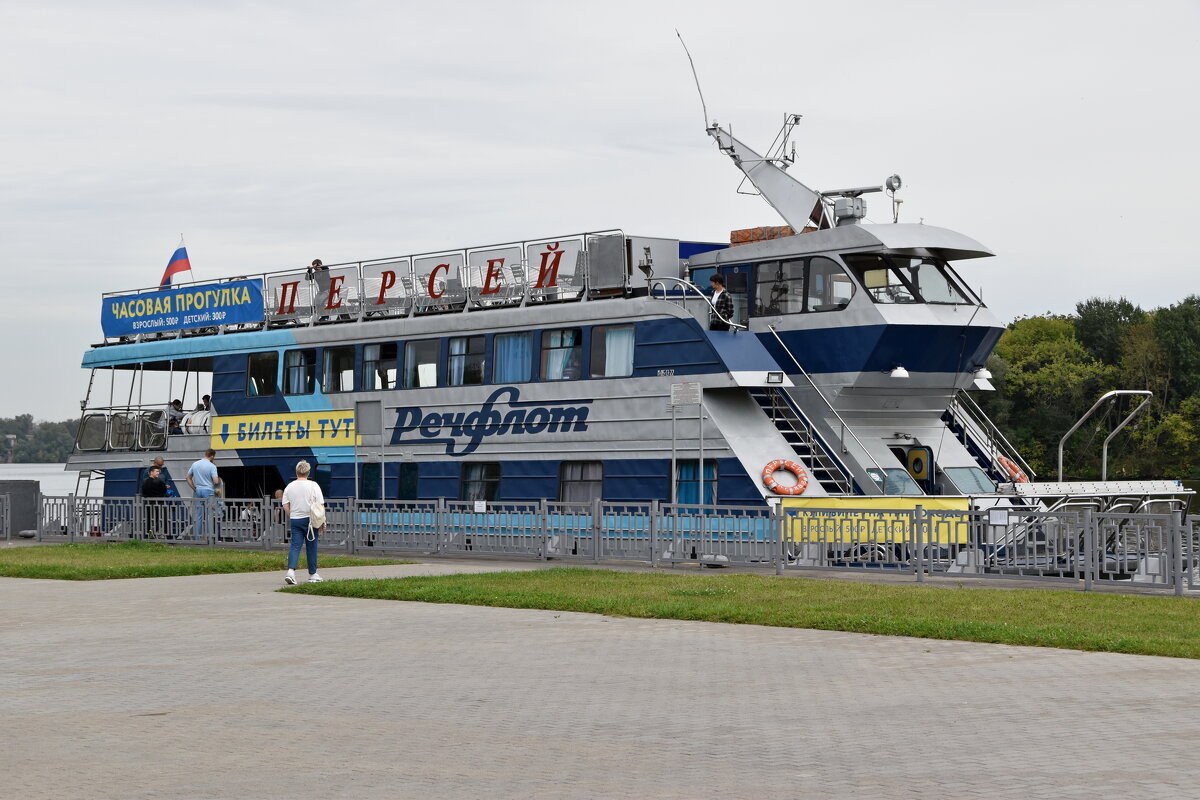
[718, 319]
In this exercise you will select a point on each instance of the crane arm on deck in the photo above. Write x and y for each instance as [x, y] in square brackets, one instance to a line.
[800, 206]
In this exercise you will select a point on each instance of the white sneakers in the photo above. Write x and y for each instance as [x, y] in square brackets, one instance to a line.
[290, 578]
[315, 578]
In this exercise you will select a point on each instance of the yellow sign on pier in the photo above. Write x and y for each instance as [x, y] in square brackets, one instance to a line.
[295, 429]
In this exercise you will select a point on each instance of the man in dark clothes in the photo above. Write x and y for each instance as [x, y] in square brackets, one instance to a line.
[154, 488]
[722, 305]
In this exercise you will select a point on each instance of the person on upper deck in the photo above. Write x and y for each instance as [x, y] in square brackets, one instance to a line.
[318, 273]
[175, 415]
[205, 403]
[722, 305]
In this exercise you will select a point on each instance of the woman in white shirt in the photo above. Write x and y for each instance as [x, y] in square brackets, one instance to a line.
[297, 498]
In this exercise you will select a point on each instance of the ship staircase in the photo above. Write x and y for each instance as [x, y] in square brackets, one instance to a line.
[825, 468]
[983, 440]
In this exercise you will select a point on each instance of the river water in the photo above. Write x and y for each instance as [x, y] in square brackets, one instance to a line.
[54, 480]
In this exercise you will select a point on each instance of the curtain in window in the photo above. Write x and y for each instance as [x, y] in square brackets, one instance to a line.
[458, 361]
[687, 489]
[297, 372]
[618, 352]
[514, 358]
[563, 344]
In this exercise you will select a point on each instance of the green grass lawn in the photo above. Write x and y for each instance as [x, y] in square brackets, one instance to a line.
[103, 561]
[1166, 626]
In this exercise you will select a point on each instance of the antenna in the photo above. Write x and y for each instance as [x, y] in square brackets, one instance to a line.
[699, 91]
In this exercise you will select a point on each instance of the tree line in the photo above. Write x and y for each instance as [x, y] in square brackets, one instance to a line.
[1049, 370]
[36, 442]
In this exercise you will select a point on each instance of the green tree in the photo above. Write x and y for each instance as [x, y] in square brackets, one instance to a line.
[1101, 324]
[1178, 330]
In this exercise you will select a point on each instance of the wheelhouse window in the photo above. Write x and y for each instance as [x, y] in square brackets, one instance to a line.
[379, 366]
[421, 364]
[808, 285]
[299, 371]
[905, 279]
[480, 481]
[828, 287]
[688, 484]
[612, 351]
[466, 360]
[561, 354]
[512, 358]
[580, 481]
[262, 371]
[337, 373]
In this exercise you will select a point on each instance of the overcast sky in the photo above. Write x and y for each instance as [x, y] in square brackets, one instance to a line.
[1062, 135]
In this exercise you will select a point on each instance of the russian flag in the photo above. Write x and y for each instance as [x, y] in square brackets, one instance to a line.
[178, 263]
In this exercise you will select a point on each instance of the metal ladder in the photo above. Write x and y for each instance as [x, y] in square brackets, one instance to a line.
[799, 434]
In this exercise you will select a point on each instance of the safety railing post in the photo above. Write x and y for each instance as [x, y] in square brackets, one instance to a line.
[439, 525]
[918, 526]
[597, 529]
[777, 528]
[1177, 550]
[654, 512]
[544, 515]
[353, 526]
[1089, 556]
[71, 518]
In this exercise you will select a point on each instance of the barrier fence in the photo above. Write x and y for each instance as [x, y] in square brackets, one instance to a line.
[1150, 550]
[5, 517]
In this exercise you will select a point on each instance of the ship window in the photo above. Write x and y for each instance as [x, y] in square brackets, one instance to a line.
[883, 283]
[561, 353]
[479, 481]
[687, 484]
[299, 371]
[580, 481]
[829, 287]
[612, 351]
[894, 481]
[780, 287]
[512, 361]
[261, 374]
[337, 373]
[466, 360]
[379, 366]
[370, 481]
[930, 279]
[420, 364]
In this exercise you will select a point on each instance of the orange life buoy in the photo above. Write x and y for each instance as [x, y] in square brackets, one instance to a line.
[1015, 473]
[769, 481]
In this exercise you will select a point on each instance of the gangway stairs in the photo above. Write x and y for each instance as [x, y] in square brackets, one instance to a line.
[825, 469]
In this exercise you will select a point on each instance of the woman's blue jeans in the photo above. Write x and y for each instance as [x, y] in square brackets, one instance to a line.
[299, 528]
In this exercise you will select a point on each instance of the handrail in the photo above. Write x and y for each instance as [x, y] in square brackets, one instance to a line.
[1145, 393]
[976, 414]
[410, 283]
[845, 428]
[689, 285]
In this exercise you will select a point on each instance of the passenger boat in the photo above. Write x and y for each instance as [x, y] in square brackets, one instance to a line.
[582, 367]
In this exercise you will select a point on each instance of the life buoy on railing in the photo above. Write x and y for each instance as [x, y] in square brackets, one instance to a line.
[1015, 473]
[769, 481]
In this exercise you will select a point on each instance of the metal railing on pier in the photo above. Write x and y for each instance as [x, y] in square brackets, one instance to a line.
[1086, 549]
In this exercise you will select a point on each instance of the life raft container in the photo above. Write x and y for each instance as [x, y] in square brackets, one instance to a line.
[769, 481]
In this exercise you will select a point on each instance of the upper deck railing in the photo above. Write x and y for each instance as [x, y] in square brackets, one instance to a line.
[582, 266]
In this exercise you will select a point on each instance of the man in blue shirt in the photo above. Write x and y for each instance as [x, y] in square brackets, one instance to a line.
[202, 477]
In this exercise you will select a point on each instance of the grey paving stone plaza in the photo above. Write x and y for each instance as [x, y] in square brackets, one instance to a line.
[219, 687]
